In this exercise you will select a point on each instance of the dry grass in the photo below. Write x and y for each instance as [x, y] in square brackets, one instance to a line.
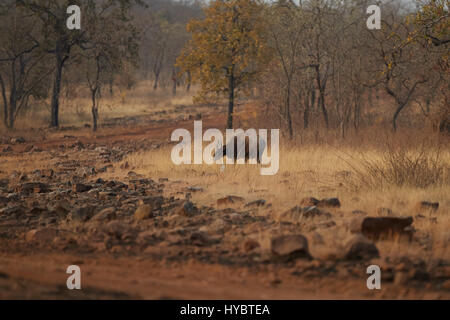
[310, 171]
[75, 109]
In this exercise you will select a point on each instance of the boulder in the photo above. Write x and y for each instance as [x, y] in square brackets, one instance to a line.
[297, 213]
[290, 246]
[309, 202]
[229, 200]
[250, 244]
[80, 188]
[106, 214]
[41, 235]
[329, 203]
[81, 214]
[360, 248]
[187, 209]
[143, 212]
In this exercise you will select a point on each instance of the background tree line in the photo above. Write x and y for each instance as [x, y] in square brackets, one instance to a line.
[312, 63]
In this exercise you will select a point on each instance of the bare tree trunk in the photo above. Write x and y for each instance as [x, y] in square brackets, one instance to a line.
[174, 81]
[60, 60]
[321, 85]
[155, 83]
[288, 109]
[230, 99]
[12, 111]
[188, 87]
[94, 109]
[5, 103]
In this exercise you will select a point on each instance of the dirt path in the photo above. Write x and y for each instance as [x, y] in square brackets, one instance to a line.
[43, 277]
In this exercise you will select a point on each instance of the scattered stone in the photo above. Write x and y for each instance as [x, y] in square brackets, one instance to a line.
[250, 244]
[427, 206]
[256, 203]
[187, 209]
[41, 235]
[143, 212]
[17, 140]
[359, 212]
[201, 239]
[360, 248]
[32, 187]
[13, 210]
[62, 207]
[82, 214]
[329, 203]
[116, 229]
[290, 246]
[107, 214]
[229, 200]
[79, 188]
[297, 213]
[309, 202]
[195, 189]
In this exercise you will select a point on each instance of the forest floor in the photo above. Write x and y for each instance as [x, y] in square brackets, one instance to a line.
[140, 227]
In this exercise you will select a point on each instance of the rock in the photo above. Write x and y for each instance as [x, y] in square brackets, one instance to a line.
[32, 187]
[17, 140]
[427, 206]
[13, 210]
[359, 212]
[47, 173]
[195, 189]
[106, 214]
[297, 213]
[116, 229]
[309, 202]
[290, 246]
[187, 209]
[256, 203]
[376, 228]
[79, 188]
[62, 207]
[329, 203]
[250, 244]
[82, 214]
[44, 234]
[143, 212]
[200, 239]
[229, 200]
[360, 248]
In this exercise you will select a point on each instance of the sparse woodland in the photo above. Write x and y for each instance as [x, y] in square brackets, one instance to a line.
[314, 65]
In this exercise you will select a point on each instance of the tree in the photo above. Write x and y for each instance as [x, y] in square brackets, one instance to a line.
[113, 46]
[62, 42]
[22, 63]
[227, 49]
[401, 67]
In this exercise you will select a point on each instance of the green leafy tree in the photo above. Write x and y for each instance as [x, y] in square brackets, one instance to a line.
[227, 49]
